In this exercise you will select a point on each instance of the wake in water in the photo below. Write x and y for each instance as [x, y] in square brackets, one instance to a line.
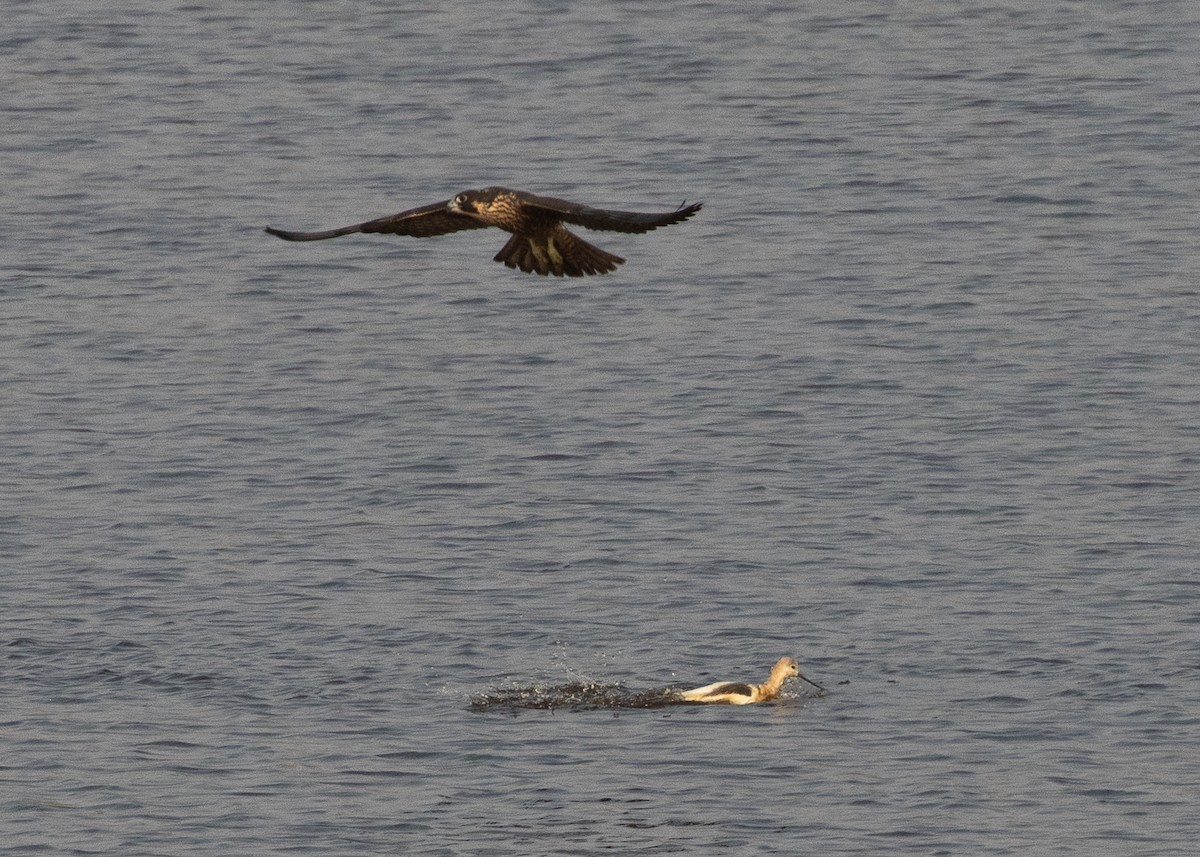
[583, 696]
[586, 696]
[576, 696]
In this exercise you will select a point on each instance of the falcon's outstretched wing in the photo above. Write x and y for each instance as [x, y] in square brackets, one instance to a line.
[602, 219]
[423, 222]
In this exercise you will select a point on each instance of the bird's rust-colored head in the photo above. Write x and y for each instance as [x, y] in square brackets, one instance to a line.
[785, 668]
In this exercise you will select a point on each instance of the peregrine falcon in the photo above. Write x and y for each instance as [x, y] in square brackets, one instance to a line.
[539, 244]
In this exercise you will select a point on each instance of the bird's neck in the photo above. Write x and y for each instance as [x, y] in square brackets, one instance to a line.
[771, 689]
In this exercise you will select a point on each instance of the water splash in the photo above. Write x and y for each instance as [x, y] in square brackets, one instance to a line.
[589, 696]
[575, 696]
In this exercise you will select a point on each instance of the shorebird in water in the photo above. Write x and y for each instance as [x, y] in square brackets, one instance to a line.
[740, 693]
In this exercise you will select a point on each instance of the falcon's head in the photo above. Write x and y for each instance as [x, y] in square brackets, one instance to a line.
[471, 201]
[464, 203]
[478, 203]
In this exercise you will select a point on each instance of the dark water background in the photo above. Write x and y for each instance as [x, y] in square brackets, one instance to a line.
[916, 399]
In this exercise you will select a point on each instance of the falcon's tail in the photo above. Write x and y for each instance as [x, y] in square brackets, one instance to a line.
[561, 253]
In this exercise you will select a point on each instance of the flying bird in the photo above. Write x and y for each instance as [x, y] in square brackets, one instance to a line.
[540, 243]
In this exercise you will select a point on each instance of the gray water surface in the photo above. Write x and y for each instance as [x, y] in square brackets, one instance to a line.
[914, 399]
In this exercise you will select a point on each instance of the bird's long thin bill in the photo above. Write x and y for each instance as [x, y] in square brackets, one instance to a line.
[810, 681]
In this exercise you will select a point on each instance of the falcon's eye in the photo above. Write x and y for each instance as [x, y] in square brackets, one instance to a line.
[460, 199]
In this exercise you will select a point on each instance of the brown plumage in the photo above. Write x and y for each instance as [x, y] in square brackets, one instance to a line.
[540, 242]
